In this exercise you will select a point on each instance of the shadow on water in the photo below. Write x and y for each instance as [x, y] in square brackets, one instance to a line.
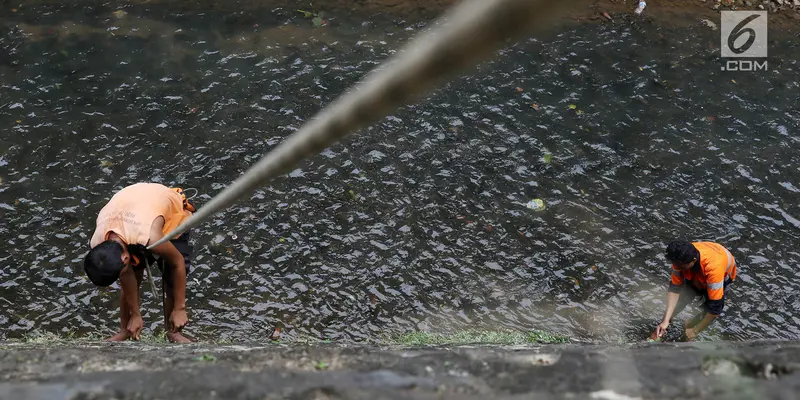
[631, 135]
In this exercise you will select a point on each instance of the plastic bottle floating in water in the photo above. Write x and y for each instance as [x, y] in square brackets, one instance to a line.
[536, 205]
[640, 7]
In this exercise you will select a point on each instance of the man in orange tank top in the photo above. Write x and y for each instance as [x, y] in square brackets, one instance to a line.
[136, 216]
[699, 269]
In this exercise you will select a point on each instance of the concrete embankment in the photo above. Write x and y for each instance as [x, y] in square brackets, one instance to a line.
[745, 370]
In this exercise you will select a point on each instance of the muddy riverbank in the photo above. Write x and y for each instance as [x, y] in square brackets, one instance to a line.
[784, 15]
[137, 371]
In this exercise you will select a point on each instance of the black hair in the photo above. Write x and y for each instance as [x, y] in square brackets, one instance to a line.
[104, 263]
[681, 251]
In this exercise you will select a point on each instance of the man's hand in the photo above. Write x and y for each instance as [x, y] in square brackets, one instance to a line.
[690, 334]
[178, 320]
[135, 326]
[661, 328]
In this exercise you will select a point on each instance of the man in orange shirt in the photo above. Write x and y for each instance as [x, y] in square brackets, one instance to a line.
[135, 217]
[698, 269]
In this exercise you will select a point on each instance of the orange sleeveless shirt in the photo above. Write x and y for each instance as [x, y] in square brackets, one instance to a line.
[131, 212]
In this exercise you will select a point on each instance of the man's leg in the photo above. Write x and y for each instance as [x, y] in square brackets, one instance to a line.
[690, 323]
[175, 337]
[693, 294]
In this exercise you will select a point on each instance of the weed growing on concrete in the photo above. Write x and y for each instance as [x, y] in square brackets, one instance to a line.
[477, 337]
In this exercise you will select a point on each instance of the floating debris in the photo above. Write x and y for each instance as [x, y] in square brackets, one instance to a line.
[119, 13]
[276, 334]
[106, 163]
[640, 7]
[548, 158]
[307, 14]
[316, 18]
[710, 24]
[536, 205]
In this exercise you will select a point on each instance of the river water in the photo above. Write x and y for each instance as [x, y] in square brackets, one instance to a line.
[629, 133]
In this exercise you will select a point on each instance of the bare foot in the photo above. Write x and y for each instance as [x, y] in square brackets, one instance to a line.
[120, 337]
[177, 337]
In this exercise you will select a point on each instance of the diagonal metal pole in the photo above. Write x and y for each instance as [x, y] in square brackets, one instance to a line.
[467, 35]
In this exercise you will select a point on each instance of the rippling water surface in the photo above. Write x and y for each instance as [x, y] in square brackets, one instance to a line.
[630, 134]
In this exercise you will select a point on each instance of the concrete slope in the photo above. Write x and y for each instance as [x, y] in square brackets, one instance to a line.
[747, 370]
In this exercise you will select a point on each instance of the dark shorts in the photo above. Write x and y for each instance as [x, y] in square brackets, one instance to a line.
[183, 246]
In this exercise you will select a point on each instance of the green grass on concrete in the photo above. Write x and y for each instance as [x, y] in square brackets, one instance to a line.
[39, 337]
[477, 337]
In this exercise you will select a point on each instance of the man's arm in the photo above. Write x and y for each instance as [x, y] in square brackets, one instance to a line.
[672, 302]
[130, 291]
[673, 294]
[178, 269]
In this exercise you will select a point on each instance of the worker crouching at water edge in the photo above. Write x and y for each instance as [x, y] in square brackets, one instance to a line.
[135, 217]
[698, 269]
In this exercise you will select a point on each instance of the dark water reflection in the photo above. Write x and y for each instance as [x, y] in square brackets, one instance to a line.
[418, 223]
